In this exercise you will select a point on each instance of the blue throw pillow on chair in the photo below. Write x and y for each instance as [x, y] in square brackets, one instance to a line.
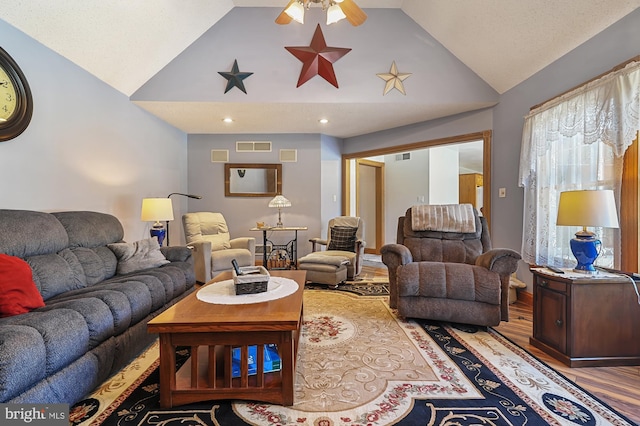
[343, 238]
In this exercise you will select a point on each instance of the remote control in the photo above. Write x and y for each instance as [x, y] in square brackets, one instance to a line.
[236, 267]
[554, 269]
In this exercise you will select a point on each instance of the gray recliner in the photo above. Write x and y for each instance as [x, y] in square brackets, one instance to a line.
[213, 248]
[449, 276]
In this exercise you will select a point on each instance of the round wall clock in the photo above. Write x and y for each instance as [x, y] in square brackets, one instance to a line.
[16, 104]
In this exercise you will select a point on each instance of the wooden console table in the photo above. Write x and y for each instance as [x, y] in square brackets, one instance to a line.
[282, 256]
[586, 321]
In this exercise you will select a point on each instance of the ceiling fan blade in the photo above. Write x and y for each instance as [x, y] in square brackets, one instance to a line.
[355, 15]
[283, 18]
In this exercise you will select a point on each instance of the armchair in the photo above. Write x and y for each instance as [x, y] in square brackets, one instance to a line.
[213, 249]
[353, 250]
[446, 275]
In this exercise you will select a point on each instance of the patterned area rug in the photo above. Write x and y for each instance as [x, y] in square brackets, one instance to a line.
[361, 289]
[359, 364]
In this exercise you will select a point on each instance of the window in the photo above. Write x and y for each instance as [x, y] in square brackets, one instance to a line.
[577, 141]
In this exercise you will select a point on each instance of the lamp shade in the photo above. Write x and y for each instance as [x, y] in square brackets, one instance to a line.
[156, 209]
[296, 11]
[279, 201]
[588, 208]
[334, 14]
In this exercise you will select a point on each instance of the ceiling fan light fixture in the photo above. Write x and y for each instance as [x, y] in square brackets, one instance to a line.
[296, 11]
[334, 14]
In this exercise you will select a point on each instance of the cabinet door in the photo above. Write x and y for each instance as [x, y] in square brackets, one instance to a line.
[551, 318]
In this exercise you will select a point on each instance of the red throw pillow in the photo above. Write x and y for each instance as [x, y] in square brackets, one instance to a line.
[18, 292]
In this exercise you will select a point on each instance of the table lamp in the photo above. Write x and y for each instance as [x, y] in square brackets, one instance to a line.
[587, 208]
[279, 201]
[157, 210]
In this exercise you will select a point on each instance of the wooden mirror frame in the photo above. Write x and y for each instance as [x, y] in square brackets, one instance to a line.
[274, 188]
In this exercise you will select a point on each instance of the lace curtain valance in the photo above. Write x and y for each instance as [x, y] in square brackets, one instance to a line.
[576, 141]
[606, 110]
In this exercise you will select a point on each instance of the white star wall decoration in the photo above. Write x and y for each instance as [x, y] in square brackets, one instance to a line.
[393, 79]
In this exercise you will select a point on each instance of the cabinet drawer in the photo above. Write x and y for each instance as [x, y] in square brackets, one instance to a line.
[558, 286]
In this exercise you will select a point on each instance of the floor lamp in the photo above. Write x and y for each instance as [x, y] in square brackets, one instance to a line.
[197, 197]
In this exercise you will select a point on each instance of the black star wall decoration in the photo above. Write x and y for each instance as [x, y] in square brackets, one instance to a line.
[235, 77]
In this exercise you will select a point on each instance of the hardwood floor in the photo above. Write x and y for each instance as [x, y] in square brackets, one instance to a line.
[618, 387]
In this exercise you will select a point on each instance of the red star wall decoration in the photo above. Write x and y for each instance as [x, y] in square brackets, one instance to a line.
[318, 59]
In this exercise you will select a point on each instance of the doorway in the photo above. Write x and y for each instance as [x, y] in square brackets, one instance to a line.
[370, 202]
[473, 152]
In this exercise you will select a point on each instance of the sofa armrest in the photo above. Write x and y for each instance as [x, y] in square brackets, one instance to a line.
[393, 256]
[176, 253]
[202, 260]
[318, 241]
[248, 243]
[504, 262]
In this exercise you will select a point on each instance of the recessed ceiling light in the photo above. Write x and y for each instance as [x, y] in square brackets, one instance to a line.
[323, 121]
[228, 120]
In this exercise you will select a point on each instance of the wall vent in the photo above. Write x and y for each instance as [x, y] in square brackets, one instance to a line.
[288, 155]
[404, 156]
[219, 155]
[251, 146]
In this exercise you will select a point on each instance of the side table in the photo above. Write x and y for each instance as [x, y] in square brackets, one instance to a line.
[586, 320]
[282, 256]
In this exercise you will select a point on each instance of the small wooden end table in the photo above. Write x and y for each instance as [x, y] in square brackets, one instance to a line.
[212, 331]
[586, 321]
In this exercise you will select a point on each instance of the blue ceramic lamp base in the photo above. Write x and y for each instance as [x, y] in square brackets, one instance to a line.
[159, 232]
[586, 249]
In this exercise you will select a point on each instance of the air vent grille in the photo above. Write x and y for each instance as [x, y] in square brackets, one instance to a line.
[403, 157]
[219, 155]
[288, 155]
[253, 146]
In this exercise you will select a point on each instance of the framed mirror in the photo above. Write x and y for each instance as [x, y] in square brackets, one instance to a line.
[252, 180]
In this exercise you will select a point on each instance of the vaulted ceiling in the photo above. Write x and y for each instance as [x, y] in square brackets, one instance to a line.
[126, 43]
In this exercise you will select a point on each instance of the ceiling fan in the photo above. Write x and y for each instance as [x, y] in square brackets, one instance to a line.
[336, 10]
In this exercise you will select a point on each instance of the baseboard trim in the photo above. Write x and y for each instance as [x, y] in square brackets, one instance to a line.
[525, 297]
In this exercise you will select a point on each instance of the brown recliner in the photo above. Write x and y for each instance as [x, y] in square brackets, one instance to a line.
[449, 276]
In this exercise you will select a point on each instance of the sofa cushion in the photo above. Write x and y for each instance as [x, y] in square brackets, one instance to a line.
[56, 273]
[171, 277]
[63, 331]
[343, 238]
[96, 314]
[90, 229]
[26, 233]
[98, 264]
[18, 292]
[455, 281]
[156, 288]
[22, 359]
[138, 256]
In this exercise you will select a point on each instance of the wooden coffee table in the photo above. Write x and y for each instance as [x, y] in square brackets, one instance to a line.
[212, 330]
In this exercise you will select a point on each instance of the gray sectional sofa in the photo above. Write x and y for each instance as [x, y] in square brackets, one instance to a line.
[94, 319]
